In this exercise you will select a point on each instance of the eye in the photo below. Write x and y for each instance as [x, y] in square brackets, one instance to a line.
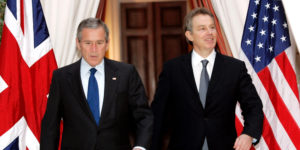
[100, 42]
[87, 42]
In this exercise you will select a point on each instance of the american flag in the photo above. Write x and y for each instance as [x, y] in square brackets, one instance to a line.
[267, 49]
[26, 64]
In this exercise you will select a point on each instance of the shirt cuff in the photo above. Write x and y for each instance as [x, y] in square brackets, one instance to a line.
[254, 140]
[142, 148]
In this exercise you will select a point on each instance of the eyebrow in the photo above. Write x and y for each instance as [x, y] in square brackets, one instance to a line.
[93, 41]
[205, 25]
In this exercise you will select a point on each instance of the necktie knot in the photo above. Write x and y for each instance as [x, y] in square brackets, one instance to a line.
[93, 71]
[204, 63]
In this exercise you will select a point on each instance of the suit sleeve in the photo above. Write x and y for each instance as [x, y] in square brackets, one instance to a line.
[158, 107]
[141, 111]
[51, 121]
[250, 104]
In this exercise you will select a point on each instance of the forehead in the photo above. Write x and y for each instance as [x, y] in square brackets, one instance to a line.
[88, 33]
[202, 19]
[88, 30]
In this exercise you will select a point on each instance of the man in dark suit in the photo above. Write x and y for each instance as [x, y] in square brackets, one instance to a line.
[99, 100]
[200, 91]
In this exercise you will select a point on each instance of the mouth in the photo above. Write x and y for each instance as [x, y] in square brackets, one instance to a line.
[93, 56]
[210, 40]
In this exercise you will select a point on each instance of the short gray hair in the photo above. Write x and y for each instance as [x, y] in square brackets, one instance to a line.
[92, 23]
[189, 18]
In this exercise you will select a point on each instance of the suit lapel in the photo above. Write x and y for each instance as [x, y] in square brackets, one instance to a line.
[215, 76]
[111, 82]
[76, 85]
[189, 76]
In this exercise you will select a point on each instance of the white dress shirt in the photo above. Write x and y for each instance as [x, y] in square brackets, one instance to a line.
[99, 75]
[197, 65]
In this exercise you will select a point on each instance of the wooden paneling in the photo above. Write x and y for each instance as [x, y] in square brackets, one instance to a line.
[138, 18]
[137, 55]
[137, 41]
[170, 39]
[152, 34]
[171, 17]
[172, 46]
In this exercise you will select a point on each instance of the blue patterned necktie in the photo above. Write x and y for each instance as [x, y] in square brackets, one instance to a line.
[93, 95]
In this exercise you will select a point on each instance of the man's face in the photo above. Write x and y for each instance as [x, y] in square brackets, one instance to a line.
[92, 45]
[203, 34]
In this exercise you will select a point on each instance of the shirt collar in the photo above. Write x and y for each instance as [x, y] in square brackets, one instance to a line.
[196, 58]
[85, 67]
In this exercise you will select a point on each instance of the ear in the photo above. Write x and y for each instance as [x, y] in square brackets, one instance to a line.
[188, 35]
[107, 45]
[77, 44]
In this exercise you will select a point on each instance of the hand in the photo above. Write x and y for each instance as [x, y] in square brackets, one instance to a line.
[243, 142]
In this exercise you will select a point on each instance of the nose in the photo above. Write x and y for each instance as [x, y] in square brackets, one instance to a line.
[210, 31]
[94, 45]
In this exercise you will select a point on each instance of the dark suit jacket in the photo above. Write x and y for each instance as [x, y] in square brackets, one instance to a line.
[125, 104]
[177, 95]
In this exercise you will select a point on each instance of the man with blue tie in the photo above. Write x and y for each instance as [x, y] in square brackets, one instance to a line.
[198, 93]
[99, 100]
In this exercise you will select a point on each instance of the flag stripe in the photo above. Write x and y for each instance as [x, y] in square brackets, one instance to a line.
[282, 112]
[238, 126]
[267, 132]
[291, 53]
[287, 95]
[13, 27]
[31, 140]
[265, 144]
[262, 145]
[289, 73]
[239, 122]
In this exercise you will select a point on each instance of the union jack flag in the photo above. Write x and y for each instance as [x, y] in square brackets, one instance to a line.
[267, 50]
[26, 64]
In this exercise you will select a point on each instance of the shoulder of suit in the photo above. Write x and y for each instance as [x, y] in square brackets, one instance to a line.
[117, 64]
[177, 60]
[68, 67]
[230, 59]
